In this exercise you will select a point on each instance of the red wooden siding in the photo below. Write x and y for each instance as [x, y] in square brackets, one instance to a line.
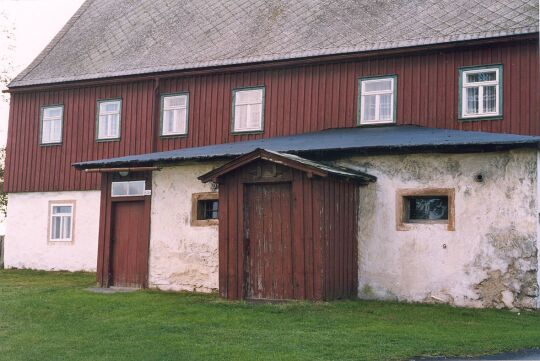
[298, 99]
[317, 256]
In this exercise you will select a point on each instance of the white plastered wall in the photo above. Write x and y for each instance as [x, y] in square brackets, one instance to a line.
[27, 243]
[182, 256]
[490, 260]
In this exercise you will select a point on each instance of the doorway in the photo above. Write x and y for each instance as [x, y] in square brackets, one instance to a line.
[269, 241]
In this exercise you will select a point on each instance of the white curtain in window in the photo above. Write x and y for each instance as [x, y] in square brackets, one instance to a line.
[248, 110]
[174, 115]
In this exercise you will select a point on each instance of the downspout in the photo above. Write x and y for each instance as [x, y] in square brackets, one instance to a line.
[538, 224]
[155, 116]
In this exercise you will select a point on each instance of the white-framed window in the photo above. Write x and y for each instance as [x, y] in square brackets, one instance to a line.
[128, 189]
[61, 226]
[174, 114]
[51, 124]
[248, 108]
[480, 92]
[109, 119]
[377, 100]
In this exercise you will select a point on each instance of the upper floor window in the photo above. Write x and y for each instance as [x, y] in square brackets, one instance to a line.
[174, 114]
[248, 107]
[480, 92]
[61, 227]
[51, 124]
[109, 119]
[377, 100]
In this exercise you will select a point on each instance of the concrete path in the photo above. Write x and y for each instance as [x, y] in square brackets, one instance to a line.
[112, 289]
[519, 355]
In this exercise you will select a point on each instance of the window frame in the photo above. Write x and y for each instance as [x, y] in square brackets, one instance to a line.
[233, 110]
[402, 222]
[65, 203]
[204, 196]
[162, 109]
[41, 119]
[393, 120]
[462, 71]
[99, 101]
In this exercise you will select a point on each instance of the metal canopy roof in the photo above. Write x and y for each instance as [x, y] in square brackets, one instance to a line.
[375, 140]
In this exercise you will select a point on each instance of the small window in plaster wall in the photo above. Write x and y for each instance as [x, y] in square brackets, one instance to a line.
[61, 219]
[427, 206]
[205, 207]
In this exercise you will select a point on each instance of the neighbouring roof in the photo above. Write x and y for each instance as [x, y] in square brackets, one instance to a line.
[381, 139]
[107, 38]
[289, 160]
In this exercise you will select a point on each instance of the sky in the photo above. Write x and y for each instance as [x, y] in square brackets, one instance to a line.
[34, 24]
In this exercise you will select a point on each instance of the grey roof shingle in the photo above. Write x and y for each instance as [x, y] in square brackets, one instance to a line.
[107, 38]
[381, 139]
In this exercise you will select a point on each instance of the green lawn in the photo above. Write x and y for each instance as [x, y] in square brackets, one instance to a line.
[50, 316]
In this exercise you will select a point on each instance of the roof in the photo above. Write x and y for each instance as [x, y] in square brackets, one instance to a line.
[292, 161]
[380, 139]
[107, 38]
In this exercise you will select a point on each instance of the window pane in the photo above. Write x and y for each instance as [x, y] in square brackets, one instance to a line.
[207, 209]
[240, 117]
[385, 111]
[433, 208]
[46, 131]
[54, 112]
[254, 116]
[481, 77]
[119, 189]
[378, 85]
[66, 227]
[369, 107]
[174, 121]
[136, 188]
[249, 96]
[61, 209]
[174, 101]
[489, 101]
[109, 107]
[115, 122]
[472, 100]
[56, 227]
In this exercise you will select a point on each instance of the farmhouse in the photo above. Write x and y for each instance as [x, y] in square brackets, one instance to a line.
[285, 150]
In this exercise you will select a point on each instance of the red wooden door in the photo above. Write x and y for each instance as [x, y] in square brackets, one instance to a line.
[129, 245]
[268, 233]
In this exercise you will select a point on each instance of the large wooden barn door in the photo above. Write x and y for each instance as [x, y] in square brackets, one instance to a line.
[129, 243]
[268, 232]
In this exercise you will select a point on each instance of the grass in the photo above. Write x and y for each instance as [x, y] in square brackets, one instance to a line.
[50, 316]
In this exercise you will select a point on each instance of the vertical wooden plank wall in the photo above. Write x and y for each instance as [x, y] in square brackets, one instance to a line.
[298, 99]
[339, 241]
[324, 237]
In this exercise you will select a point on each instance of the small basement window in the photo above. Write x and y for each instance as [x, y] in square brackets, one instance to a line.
[128, 189]
[248, 109]
[428, 206]
[51, 124]
[480, 92]
[377, 100]
[61, 222]
[205, 209]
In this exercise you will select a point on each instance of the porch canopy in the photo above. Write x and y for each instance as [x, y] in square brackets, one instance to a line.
[393, 139]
